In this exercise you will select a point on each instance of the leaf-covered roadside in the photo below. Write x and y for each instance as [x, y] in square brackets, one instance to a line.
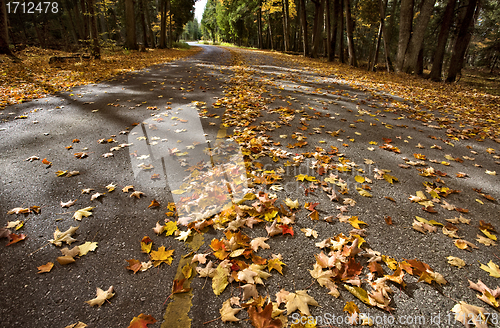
[33, 77]
[475, 113]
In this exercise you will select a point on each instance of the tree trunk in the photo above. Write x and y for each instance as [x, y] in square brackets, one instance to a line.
[342, 27]
[271, 43]
[4, 35]
[285, 25]
[163, 24]
[131, 41]
[333, 39]
[84, 20]
[328, 31]
[462, 41]
[417, 37]
[350, 38]
[317, 26]
[143, 24]
[96, 50]
[259, 25]
[437, 63]
[169, 7]
[303, 19]
[383, 6]
[148, 22]
[102, 20]
[405, 24]
[72, 22]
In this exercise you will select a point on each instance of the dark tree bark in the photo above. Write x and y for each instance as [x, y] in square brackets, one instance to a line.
[269, 27]
[317, 27]
[405, 25]
[285, 26]
[152, 38]
[350, 31]
[96, 50]
[333, 39]
[417, 37]
[303, 20]
[169, 8]
[131, 40]
[259, 25]
[342, 23]
[72, 22]
[4, 35]
[143, 24]
[383, 6]
[85, 21]
[163, 23]
[462, 41]
[328, 31]
[437, 63]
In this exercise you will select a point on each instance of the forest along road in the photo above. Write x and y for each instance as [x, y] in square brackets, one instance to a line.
[350, 192]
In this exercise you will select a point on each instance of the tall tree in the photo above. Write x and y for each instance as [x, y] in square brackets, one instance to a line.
[4, 35]
[303, 21]
[259, 25]
[437, 63]
[131, 40]
[96, 50]
[333, 39]
[317, 27]
[143, 23]
[462, 41]
[350, 34]
[328, 31]
[163, 23]
[417, 37]
[285, 25]
[383, 6]
[342, 27]
[405, 25]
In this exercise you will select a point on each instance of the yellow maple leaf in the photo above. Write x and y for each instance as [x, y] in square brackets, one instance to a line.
[162, 256]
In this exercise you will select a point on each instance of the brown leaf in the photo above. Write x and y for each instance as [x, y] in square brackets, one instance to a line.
[262, 317]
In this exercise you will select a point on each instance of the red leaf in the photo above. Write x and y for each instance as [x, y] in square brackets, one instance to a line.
[286, 229]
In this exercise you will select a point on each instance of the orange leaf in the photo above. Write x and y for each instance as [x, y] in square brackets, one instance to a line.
[46, 162]
[178, 287]
[45, 268]
[134, 265]
[154, 203]
[142, 321]
[14, 238]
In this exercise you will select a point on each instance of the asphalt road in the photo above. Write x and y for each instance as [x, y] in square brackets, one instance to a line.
[118, 223]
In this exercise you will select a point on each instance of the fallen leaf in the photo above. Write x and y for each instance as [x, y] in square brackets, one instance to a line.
[101, 296]
[84, 212]
[299, 300]
[142, 321]
[68, 203]
[262, 317]
[466, 313]
[87, 247]
[45, 268]
[60, 237]
[492, 269]
[162, 256]
[137, 194]
[228, 313]
[455, 261]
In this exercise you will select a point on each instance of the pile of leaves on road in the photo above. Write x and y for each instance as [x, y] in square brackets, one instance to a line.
[33, 77]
